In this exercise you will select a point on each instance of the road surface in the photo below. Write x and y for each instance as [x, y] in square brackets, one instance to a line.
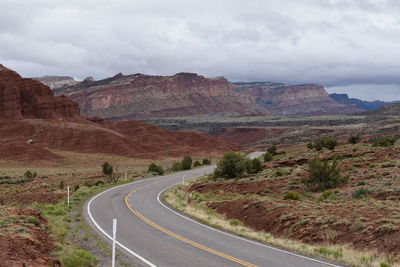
[152, 234]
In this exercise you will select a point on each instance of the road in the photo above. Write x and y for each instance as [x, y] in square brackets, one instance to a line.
[152, 234]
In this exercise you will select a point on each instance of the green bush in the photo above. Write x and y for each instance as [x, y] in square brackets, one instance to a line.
[291, 195]
[30, 175]
[33, 220]
[76, 187]
[354, 139]
[61, 184]
[206, 161]
[186, 163]
[268, 157]
[196, 164]
[327, 142]
[310, 146]
[385, 264]
[385, 141]
[155, 169]
[360, 193]
[176, 166]
[323, 175]
[231, 165]
[272, 150]
[99, 182]
[77, 258]
[107, 168]
[254, 166]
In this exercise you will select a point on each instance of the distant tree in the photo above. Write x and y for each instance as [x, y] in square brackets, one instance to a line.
[354, 139]
[155, 169]
[107, 168]
[186, 163]
[327, 142]
[30, 175]
[254, 166]
[206, 161]
[268, 157]
[272, 150]
[231, 165]
[310, 146]
[196, 164]
[176, 166]
[331, 143]
[323, 175]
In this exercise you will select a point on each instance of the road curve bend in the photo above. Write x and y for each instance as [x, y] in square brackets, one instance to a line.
[152, 234]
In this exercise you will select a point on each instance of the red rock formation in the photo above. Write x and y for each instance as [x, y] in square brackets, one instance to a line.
[298, 100]
[144, 96]
[27, 98]
[29, 111]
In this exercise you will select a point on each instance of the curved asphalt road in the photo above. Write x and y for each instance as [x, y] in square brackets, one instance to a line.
[151, 234]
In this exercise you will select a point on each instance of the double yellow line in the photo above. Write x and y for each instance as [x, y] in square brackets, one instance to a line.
[184, 239]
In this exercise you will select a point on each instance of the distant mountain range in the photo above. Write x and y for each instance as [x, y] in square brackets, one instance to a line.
[361, 104]
[140, 96]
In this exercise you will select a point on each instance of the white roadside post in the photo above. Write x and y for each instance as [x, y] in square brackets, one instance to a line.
[68, 195]
[183, 180]
[114, 240]
[126, 177]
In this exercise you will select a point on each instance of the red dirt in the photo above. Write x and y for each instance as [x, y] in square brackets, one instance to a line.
[242, 135]
[32, 250]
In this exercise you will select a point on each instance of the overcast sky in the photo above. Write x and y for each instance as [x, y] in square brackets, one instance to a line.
[350, 46]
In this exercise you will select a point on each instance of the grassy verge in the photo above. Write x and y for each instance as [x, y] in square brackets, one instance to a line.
[177, 197]
[77, 245]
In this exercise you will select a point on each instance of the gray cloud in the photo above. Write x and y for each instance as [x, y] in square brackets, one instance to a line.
[345, 45]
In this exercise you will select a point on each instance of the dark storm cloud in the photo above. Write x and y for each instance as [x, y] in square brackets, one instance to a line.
[350, 46]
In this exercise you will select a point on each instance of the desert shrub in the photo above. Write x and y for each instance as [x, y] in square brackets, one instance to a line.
[254, 166]
[388, 164]
[385, 264]
[336, 253]
[176, 166]
[99, 182]
[325, 195]
[354, 139]
[70, 257]
[291, 195]
[186, 163]
[206, 161]
[30, 175]
[76, 187]
[310, 146]
[268, 157]
[196, 164]
[61, 184]
[231, 165]
[327, 142]
[385, 141]
[323, 175]
[33, 220]
[155, 169]
[5, 177]
[360, 193]
[272, 150]
[279, 173]
[107, 168]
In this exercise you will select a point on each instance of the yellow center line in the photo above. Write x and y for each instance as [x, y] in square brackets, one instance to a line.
[184, 239]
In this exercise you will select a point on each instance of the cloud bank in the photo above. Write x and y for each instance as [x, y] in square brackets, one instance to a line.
[351, 46]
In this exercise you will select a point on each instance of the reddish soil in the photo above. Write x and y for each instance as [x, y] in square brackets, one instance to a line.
[242, 135]
[31, 250]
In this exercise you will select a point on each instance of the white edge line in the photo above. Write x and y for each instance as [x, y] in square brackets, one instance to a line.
[107, 235]
[235, 236]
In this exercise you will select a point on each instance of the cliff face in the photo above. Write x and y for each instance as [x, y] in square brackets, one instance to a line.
[298, 100]
[27, 98]
[143, 96]
[389, 109]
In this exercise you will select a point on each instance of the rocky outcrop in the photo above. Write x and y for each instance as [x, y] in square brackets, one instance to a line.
[389, 109]
[143, 96]
[297, 100]
[27, 98]
[56, 82]
[361, 104]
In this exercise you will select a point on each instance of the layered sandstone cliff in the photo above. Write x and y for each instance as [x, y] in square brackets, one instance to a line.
[27, 98]
[297, 100]
[143, 96]
[32, 121]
